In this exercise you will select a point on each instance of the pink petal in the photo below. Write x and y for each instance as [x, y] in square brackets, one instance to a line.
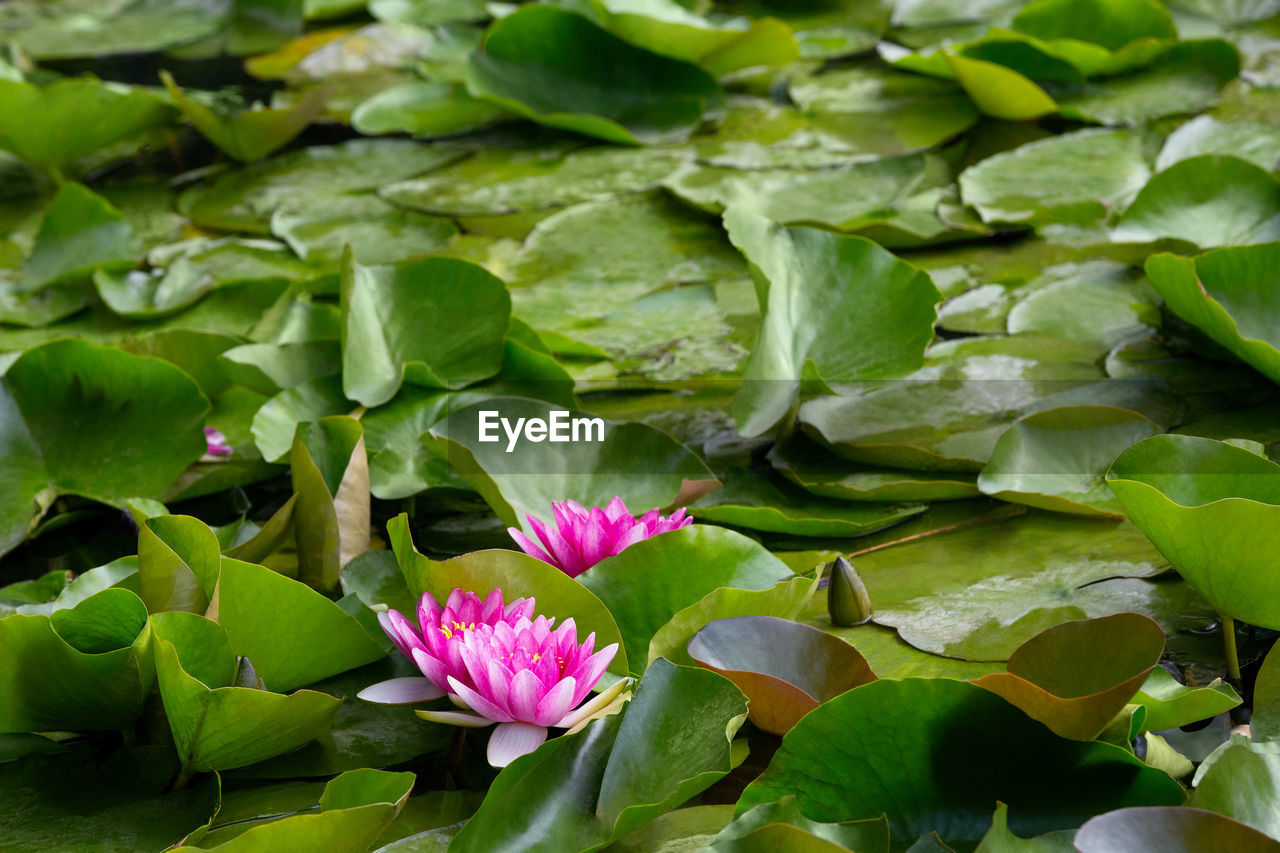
[401, 691]
[499, 683]
[631, 537]
[528, 545]
[509, 741]
[564, 556]
[432, 668]
[477, 668]
[556, 703]
[215, 442]
[594, 542]
[521, 608]
[428, 611]
[616, 509]
[470, 611]
[492, 606]
[590, 671]
[526, 691]
[478, 703]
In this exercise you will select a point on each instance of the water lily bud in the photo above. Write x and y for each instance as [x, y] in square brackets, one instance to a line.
[847, 599]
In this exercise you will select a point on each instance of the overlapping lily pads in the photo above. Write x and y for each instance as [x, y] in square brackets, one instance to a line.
[786, 669]
[957, 727]
[1199, 501]
[145, 415]
[642, 98]
[1077, 703]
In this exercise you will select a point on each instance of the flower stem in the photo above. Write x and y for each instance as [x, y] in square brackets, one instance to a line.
[1229, 646]
[455, 758]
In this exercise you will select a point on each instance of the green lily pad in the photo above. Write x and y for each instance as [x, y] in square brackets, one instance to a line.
[186, 271]
[1176, 830]
[979, 592]
[579, 263]
[673, 740]
[500, 180]
[755, 502]
[668, 28]
[652, 581]
[400, 465]
[1076, 702]
[377, 232]
[385, 342]
[676, 830]
[1109, 23]
[1206, 505]
[425, 108]
[45, 306]
[121, 801]
[271, 368]
[1255, 142]
[920, 772]
[809, 466]
[950, 415]
[1227, 294]
[1185, 78]
[643, 465]
[354, 810]
[364, 734]
[293, 635]
[178, 563]
[640, 98]
[53, 125]
[81, 232]
[1265, 724]
[786, 599]
[1074, 177]
[276, 422]
[1170, 704]
[518, 576]
[244, 199]
[86, 667]
[672, 335]
[217, 726]
[94, 29]
[758, 133]
[843, 198]
[784, 668]
[883, 112]
[804, 273]
[1099, 301]
[144, 416]
[1206, 201]
[250, 134]
[781, 826]
[1001, 92]
[330, 470]
[1241, 780]
[1057, 459]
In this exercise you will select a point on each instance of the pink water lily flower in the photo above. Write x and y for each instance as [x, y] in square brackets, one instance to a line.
[217, 448]
[526, 677]
[435, 646]
[583, 537]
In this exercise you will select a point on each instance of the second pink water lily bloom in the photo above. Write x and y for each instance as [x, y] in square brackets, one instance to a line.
[583, 537]
[435, 646]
